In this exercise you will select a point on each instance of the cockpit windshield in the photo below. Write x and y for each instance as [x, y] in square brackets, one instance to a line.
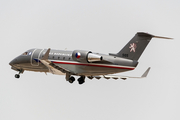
[26, 53]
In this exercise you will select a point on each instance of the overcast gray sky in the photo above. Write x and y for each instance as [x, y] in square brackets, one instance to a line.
[103, 26]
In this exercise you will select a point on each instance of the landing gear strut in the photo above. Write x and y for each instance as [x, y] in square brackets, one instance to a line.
[70, 78]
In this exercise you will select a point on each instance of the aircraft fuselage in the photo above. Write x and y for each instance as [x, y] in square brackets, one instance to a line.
[30, 61]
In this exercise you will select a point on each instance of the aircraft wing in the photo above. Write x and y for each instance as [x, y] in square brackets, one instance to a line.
[54, 69]
[119, 77]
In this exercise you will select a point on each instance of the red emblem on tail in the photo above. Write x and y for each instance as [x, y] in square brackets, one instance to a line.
[133, 47]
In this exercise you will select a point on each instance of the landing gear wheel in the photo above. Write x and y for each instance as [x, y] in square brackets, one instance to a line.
[71, 79]
[17, 76]
[81, 80]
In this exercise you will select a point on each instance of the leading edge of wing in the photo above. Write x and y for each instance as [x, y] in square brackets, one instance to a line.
[122, 77]
[54, 69]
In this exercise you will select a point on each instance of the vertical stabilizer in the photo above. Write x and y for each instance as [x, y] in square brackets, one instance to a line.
[135, 47]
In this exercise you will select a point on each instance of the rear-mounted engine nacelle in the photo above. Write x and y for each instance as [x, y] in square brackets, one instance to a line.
[85, 56]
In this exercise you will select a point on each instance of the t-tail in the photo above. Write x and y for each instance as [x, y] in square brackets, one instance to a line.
[135, 47]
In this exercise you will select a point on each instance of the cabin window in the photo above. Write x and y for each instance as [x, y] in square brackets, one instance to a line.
[63, 58]
[58, 57]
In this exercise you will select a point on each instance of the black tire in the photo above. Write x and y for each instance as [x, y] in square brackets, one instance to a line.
[81, 80]
[71, 79]
[17, 76]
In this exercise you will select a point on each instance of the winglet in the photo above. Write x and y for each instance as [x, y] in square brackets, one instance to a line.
[145, 73]
[46, 55]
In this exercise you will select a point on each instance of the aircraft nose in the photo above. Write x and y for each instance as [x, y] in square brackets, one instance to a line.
[14, 61]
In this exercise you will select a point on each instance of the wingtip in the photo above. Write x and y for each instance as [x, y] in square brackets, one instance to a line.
[46, 54]
[146, 72]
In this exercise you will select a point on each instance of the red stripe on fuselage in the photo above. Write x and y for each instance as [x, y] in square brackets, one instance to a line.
[94, 65]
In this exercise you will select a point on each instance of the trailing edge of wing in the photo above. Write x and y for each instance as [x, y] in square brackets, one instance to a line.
[122, 77]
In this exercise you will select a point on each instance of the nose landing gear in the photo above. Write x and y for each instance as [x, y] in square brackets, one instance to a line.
[18, 75]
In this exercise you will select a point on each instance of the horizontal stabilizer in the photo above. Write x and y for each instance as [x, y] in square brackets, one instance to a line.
[150, 35]
[162, 37]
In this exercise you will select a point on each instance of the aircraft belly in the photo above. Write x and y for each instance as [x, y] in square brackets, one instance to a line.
[29, 67]
[90, 70]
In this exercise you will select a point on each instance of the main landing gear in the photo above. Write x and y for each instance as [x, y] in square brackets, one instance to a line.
[71, 79]
[81, 80]
[18, 75]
